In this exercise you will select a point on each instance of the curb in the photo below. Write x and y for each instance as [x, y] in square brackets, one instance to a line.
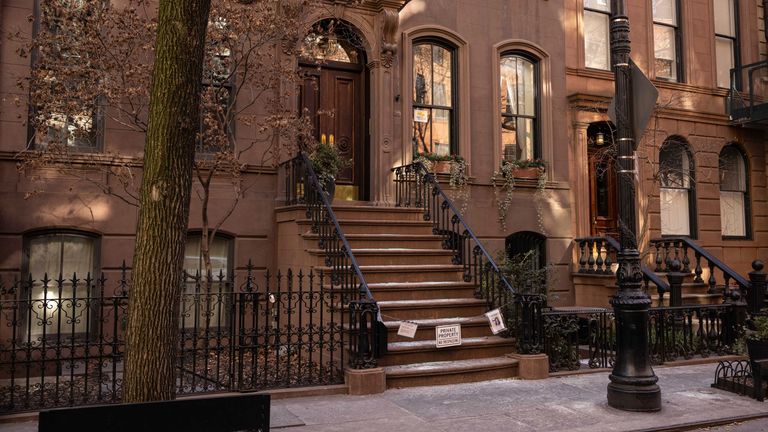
[705, 423]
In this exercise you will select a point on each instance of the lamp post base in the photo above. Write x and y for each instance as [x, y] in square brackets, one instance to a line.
[639, 398]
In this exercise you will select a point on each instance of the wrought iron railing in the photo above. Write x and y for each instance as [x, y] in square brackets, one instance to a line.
[368, 334]
[575, 338]
[598, 254]
[62, 341]
[691, 255]
[748, 94]
[416, 187]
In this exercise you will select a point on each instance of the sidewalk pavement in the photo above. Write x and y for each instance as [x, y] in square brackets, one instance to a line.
[572, 403]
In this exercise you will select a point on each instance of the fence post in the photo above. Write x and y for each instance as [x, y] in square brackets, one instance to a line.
[757, 283]
[530, 338]
[675, 278]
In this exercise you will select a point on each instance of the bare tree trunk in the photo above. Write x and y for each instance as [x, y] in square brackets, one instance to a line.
[153, 310]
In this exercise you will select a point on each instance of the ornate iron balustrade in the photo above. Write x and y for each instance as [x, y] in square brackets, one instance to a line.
[416, 187]
[690, 255]
[62, 341]
[585, 337]
[598, 254]
[368, 334]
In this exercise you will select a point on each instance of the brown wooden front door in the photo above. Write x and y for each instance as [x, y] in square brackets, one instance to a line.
[602, 194]
[334, 95]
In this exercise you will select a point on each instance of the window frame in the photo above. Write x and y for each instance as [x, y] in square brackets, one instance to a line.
[585, 10]
[535, 62]
[692, 214]
[736, 46]
[677, 29]
[747, 209]
[228, 282]
[96, 136]
[27, 238]
[454, 108]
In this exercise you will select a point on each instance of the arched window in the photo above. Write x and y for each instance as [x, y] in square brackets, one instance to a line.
[526, 261]
[678, 192]
[58, 263]
[734, 198]
[434, 97]
[519, 107]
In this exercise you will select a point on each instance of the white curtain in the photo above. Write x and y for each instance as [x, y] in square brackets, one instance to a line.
[65, 256]
[732, 214]
[675, 214]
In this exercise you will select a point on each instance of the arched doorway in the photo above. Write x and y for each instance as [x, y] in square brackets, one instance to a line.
[602, 179]
[334, 93]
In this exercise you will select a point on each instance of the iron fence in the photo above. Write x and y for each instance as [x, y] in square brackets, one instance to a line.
[62, 341]
[575, 338]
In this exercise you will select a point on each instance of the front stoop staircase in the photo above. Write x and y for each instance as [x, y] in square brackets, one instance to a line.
[412, 278]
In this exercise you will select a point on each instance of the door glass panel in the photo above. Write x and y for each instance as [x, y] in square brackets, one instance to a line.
[601, 190]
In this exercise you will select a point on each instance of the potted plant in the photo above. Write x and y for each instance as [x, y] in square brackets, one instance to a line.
[531, 169]
[439, 164]
[757, 338]
[327, 163]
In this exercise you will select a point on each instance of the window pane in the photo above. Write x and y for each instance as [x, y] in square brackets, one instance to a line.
[525, 133]
[422, 74]
[732, 170]
[77, 256]
[509, 85]
[664, 11]
[732, 214]
[664, 48]
[724, 18]
[45, 257]
[442, 75]
[724, 60]
[509, 148]
[441, 132]
[526, 87]
[596, 40]
[675, 216]
[603, 5]
[674, 166]
[422, 130]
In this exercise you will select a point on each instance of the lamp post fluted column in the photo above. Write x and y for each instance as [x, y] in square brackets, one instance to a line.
[633, 384]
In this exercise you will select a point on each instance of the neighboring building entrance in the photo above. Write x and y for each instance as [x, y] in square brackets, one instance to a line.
[334, 94]
[602, 180]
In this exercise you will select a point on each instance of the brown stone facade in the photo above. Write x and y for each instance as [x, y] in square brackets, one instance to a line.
[569, 98]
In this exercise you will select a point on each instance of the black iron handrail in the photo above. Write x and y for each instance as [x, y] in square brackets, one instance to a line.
[415, 186]
[591, 264]
[304, 187]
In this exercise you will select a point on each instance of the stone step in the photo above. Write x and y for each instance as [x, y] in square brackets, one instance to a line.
[476, 326]
[690, 299]
[412, 273]
[397, 256]
[377, 213]
[451, 372]
[362, 226]
[401, 353]
[387, 241]
[432, 309]
[421, 290]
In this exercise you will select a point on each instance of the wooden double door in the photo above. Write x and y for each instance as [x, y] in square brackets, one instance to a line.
[334, 96]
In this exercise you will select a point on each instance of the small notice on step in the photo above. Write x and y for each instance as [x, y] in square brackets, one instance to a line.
[407, 329]
[448, 335]
[496, 320]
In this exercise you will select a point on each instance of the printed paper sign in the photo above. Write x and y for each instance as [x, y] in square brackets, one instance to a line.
[448, 335]
[407, 329]
[421, 115]
[496, 320]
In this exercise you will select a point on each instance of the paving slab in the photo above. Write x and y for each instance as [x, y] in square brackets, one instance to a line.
[574, 403]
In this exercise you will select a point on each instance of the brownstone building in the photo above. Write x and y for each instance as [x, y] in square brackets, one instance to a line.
[489, 80]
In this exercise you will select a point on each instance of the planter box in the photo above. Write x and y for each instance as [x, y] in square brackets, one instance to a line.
[441, 167]
[526, 173]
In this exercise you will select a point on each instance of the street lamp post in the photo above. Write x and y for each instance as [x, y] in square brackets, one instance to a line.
[633, 384]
